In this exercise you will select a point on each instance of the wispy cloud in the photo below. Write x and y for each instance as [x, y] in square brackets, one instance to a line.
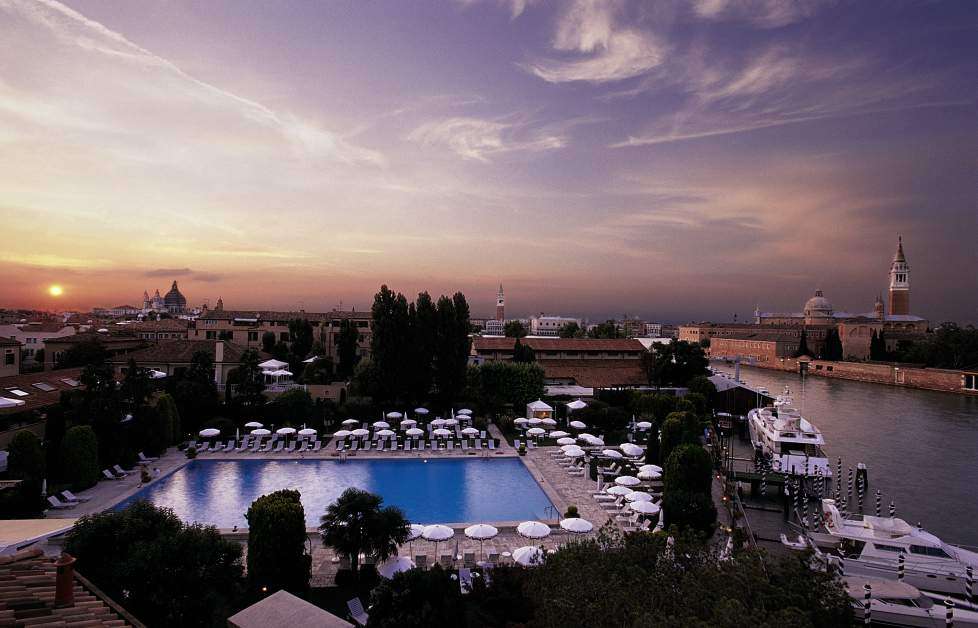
[479, 139]
[761, 13]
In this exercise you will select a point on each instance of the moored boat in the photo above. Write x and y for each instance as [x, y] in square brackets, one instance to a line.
[791, 443]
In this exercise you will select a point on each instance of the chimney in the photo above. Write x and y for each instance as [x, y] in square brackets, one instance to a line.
[64, 588]
[219, 352]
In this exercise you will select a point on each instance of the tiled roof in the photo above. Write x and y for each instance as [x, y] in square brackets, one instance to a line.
[9, 342]
[770, 336]
[27, 586]
[182, 351]
[496, 343]
[105, 338]
[167, 324]
[596, 373]
[265, 315]
[47, 326]
[39, 397]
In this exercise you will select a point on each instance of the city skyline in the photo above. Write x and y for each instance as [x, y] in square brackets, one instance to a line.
[678, 161]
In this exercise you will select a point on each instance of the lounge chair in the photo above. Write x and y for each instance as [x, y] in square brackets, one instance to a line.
[465, 580]
[279, 447]
[192, 445]
[450, 445]
[58, 504]
[143, 458]
[290, 448]
[492, 443]
[465, 445]
[354, 445]
[318, 445]
[68, 496]
[215, 447]
[482, 434]
[339, 444]
[245, 443]
[493, 555]
[256, 447]
[447, 561]
[407, 444]
[421, 561]
[119, 471]
[229, 446]
[110, 476]
[380, 445]
[478, 443]
[468, 559]
[355, 606]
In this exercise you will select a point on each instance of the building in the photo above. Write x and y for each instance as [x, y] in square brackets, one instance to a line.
[550, 325]
[33, 336]
[36, 391]
[118, 343]
[172, 303]
[497, 326]
[10, 354]
[174, 357]
[163, 329]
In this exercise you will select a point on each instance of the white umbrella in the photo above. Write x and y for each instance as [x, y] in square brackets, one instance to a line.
[437, 422]
[209, 432]
[421, 411]
[577, 405]
[385, 433]
[650, 467]
[442, 432]
[536, 431]
[643, 425]
[649, 475]
[437, 533]
[565, 440]
[310, 360]
[415, 531]
[154, 374]
[464, 411]
[638, 496]
[394, 415]
[533, 529]
[627, 480]
[611, 453]
[481, 532]
[521, 421]
[566, 446]
[253, 424]
[285, 431]
[360, 432]
[351, 422]
[534, 421]
[307, 431]
[576, 525]
[574, 453]
[558, 434]
[618, 490]
[342, 433]
[528, 555]
[549, 422]
[406, 423]
[413, 431]
[381, 424]
[394, 565]
[646, 508]
[451, 421]
[577, 425]
[470, 431]
[593, 440]
[631, 449]
[260, 432]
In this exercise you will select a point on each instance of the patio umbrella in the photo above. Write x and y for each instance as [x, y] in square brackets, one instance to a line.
[574, 453]
[385, 433]
[414, 531]
[534, 421]
[210, 432]
[307, 431]
[451, 421]
[464, 411]
[576, 525]
[342, 433]
[260, 432]
[154, 374]
[611, 453]
[470, 431]
[577, 425]
[558, 434]
[650, 467]
[437, 422]
[533, 530]
[285, 431]
[436, 533]
[646, 508]
[406, 423]
[481, 532]
[631, 449]
[421, 411]
[351, 422]
[528, 555]
[360, 432]
[618, 491]
[643, 425]
[576, 405]
[253, 424]
[627, 480]
[381, 425]
[593, 440]
[536, 431]
[638, 496]
[394, 565]
[549, 422]
[649, 475]
[565, 441]
[413, 431]
[394, 415]
[441, 432]
[521, 421]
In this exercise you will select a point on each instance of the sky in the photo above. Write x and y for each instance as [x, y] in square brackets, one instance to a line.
[671, 160]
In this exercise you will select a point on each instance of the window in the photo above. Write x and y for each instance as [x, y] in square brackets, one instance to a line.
[887, 548]
[971, 381]
[928, 551]
[9, 358]
[252, 336]
[211, 335]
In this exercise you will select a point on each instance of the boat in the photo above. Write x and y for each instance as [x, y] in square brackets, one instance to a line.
[871, 546]
[894, 603]
[790, 442]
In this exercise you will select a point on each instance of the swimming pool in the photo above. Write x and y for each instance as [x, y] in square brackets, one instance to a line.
[457, 490]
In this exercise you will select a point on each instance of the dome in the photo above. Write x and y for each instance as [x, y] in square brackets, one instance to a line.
[818, 306]
[174, 299]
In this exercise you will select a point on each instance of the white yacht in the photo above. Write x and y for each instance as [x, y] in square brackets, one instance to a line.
[895, 603]
[793, 444]
[872, 547]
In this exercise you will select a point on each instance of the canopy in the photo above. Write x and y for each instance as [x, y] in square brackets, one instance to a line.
[385, 433]
[406, 423]
[415, 531]
[481, 532]
[154, 374]
[611, 453]
[574, 452]
[207, 433]
[638, 496]
[342, 433]
[307, 431]
[528, 555]
[533, 530]
[437, 532]
[578, 425]
[310, 360]
[558, 434]
[351, 422]
[437, 422]
[278, 373]
[631, 449]
[451, 422]
[549, 422]
[576, 525]
[285, 431]
[646, 508]
[521, 421]
[253, 424]
[643, 425]
[442, 432]
[649, 474]
[470, 431]
[534, 421]
[464, 411]
[413, 431]
[650, 467]
[538, 405]
[394, 415]
[627, 480]
[381, 424]
[360, 432]
[421, 410]
[272, 365]
[394, 565]
[260, 432]
[576, 405]
[618, 490]
[11, 403]
[564, 440]
[536, 431]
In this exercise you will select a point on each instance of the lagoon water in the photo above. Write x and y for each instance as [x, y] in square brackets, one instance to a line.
[921, 446]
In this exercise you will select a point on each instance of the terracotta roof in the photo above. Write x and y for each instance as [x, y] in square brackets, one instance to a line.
[496, 343]
[27, 585]
[768, 336]
[596, 373]
[182, 351]
[47, 326]
[105, 338]
[38, 397]
[274, 315]
[167, 324]
[9, 342]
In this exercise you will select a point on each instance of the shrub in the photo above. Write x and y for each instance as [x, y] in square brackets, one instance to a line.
[79, 453]
[191, 453]
[703, 386]
[687, 510]
[22, 501]
[688, 468]
[170, 418]
[670, 436]
[571, 512]
[26, 456]
[277, 557]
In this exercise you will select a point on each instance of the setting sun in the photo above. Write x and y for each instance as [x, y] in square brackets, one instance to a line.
[55, 290]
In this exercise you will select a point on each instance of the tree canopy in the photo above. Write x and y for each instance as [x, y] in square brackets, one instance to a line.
[356, 523]
[571, 330]
[496, 384]
[676, 363]
[277, 557]
[607, 330]
[515, 329]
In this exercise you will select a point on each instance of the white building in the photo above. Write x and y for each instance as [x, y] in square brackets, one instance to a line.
[550, 325]
[33, 335]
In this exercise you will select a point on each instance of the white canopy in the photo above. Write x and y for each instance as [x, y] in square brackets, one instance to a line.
[406, 423]
[415, 531]
[451, 422]
[549, 422]
[342, 433]
[394, 415]
[576, 405]
[574, 453]
[437, 532]
[470, 431]
[643, 425]
[565, 440]
[631, 449]
[442, 432]
[307, 431]
[649, 475]
[437, 422]
[394, 565]
[627, 480]
[351, 422]
[278, 373]
[481, 531]
[533, 529]
[539, 406]
[385, 433]
[310, 360]
[536, 431]
[421, 410]
[528, 555]
[618, 490]
[253, 424]
[578, 425]
[576, 525]
[260, 432]
[413, 431]
[154, 374]
[464, 411]
[611, 453]
[521, 421]
[210, 431]
[558, 434]
[650, 467]
[646, 508]
[381, 424]
[272, 365]
[360, 432]
[534, 421]
[11, 403]
[285, 431]
[638, 496]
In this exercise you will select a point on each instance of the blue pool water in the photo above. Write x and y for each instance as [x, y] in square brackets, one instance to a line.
[219, 492]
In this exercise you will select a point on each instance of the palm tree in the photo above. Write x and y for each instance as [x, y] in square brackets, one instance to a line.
[356, 524]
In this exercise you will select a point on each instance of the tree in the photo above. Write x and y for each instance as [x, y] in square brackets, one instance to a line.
[163, 571]
[949, 347]
[293, 407]
[803, 349]
[79, 455]
[195, 391]
[25, 459]
[347, 343]
[833, 345]
[652, 448]
[424, 345]
[604, 418]
[523, 353]
[277, 557]
[136, 387]
[515, 329]
[702, 385]
[571, 330]
[495, 385]
[300, 334]
[418, 598]
[390, 343]
[170, 417]
[82, 354]
[877, 347]
[452, 346]
[678, 428]
[357, 524]
[689, 510]
[689, 467]
[250, 379]
[606, 330]
[268, 341]
[678, 362]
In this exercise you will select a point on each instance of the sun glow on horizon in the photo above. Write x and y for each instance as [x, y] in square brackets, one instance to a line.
[55, 290]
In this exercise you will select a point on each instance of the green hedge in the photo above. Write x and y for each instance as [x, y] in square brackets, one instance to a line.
[79, 453]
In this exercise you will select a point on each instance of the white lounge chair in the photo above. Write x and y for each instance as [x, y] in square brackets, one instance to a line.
[71, 497]
[109, 475]
[119, 471]
[359, 615]
[318, 445]
[58, 504]
[143, 458]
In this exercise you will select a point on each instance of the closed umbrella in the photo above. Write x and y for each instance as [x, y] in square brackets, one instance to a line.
[470, 431]
[342, 433]
[413, 431]
[481, 532]
[631, 449]
[394, 415]
[394, 565]
[436, 533]
[442, 432]
[627, 480]
[381, 425]
[464, 411]
[385, 433]
[638, 496]
[558, 434]
[576, 525]
[421, 411]
[351, 422]
[646, 508]
[577, 425]
[360, 432]
[285, 431]
[611, 453]
[253, 424]
[260, 432]
[528, 555]
[566, 441]
[210, 432]
[533, 530]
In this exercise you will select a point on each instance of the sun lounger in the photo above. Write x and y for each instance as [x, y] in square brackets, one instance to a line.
[192, 445]
[291, 447]
[256, 447]
[482, 434]
[468, 559]
[478, 443]
[447, 561]
[465, 445]
[245, 443]
[492, 443]
[279, 447]
[68, 496]
[110, 476]
[355, 606]
[339, 444]
[407, 444]
[119, 471]
[58, 504]
[421, 561]
[143, 458]
[493, 555]
[354, 445]
[449, 445]
[229, 446]
[465, 580]
[318, 445]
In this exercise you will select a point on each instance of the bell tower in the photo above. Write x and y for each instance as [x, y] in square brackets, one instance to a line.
[899, 282]
[500, 305]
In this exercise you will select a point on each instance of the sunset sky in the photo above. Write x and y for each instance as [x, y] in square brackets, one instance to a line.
[674, 160]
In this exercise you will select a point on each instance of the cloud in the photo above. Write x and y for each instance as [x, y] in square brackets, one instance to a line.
[601, 50]
[168, 272]
[760, 13]
[516, 7]
[479, 139]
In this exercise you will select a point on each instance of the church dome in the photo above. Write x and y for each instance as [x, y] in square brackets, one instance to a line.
[174, 299]
[818, 307]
